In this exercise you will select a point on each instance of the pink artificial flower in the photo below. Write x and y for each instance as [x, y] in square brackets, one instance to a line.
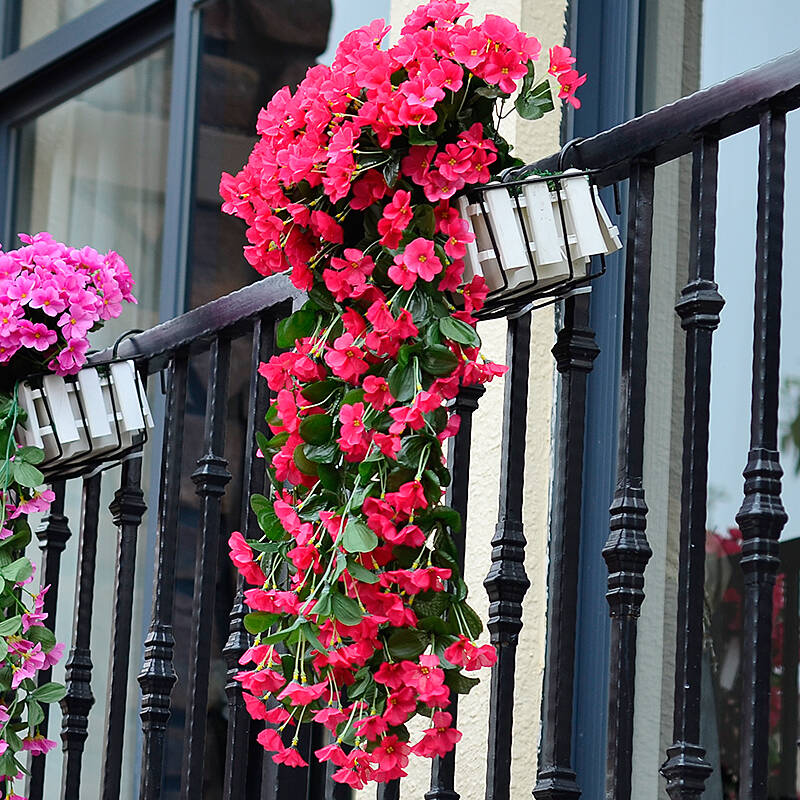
[346, 360]
[242, 557]
[561, 60]
[37, 745]
[36, 335]
[438, 740]
[568, 83]
[31, 660]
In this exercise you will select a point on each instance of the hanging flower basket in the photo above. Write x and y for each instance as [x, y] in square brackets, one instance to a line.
[97, 414]
[535, 238]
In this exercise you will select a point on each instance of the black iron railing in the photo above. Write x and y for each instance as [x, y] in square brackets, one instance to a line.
[691, 127]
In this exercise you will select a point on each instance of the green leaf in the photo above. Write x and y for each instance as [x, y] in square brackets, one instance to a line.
[458, 682]
[391, 171]
[33, 455]
[49, 693]
[431, 604]
[419, 306]
[536, 102]
[345, 609]
[459, 331]
[491, 92]
[307, 631]
[407, 643]
[323, 453]
[320, 390]
[267, 518]
[303, 464]
[316, 429]
[27, 475]
[438, 360]
[35, 713]
[3, 648]
[16, 571]
[358, 538]
[449, 516]
[472, 619]
[417, 136]
[402, 382]
[321, 297]
[259, 621]
[352, 397]
[425, 219]
[411, 450]
[328, 476]
[360, 573]
[259, 503]
[296, 326]
[323, 605]
[45, 637]
[434, 625]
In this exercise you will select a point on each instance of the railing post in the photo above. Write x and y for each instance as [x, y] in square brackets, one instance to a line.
[79, 699]
[686, 768]
[626, 551]
[158, 674]
[253, 473]
[53, 535]
[443, 768]
[127, 509]
[507, 581]
[211, 477]
[762, 516]
[574, 351]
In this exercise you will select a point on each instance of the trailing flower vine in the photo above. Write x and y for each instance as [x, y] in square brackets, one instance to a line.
[358, 607]
[51, 297]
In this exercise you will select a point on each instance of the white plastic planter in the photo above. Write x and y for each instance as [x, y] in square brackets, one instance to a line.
[530, 239]
[90, 418]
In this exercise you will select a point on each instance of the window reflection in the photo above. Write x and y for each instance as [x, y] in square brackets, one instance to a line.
[37, 18]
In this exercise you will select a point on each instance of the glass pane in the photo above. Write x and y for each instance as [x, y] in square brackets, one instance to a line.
[37, 18]
[92, 171]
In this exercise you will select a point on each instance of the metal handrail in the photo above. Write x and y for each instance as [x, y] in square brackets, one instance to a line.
[197, 328]
[668, 132]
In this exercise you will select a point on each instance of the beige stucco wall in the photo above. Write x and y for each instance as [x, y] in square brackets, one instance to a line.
[544, 19]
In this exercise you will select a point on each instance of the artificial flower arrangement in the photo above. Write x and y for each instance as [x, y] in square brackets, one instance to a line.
[359, 609]
[51, 297]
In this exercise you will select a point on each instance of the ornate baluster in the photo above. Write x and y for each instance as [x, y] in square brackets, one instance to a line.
[507, 581]
[762, 516]
[626, 551]
[443, 769]
[788, 760]
[158, 674]
[574, 351]
[79, 700]
[686, 768]
[253, 481]
[53, 535]
[127, 509]
[211, 477]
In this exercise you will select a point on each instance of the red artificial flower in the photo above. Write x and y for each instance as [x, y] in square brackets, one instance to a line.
[242, 556]
[438, 740]
[345, 359]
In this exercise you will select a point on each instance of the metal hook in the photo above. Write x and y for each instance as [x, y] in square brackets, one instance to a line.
[562, 156]
[122, 337]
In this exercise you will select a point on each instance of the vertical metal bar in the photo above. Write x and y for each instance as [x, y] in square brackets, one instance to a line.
[507, 582]
[391, 790]
[626, 551]
[211, 477]
[762, 517]
[575, 351]
[699, 306]
[158, 674]
[443, 769]
[79, 699]
[253, 473]
[53, 535]
[788, 760]
[127, 509]
[180, 157]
